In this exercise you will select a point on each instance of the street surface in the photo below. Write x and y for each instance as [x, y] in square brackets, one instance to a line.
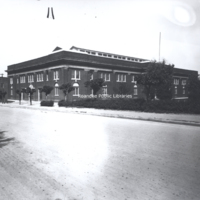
[47, 155]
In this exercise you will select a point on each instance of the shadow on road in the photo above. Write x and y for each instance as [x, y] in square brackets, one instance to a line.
[4, 140]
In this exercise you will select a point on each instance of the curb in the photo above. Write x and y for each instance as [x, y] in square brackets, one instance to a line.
[179, 122]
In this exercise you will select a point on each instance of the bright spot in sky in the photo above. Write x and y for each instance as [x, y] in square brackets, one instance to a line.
[181, 15]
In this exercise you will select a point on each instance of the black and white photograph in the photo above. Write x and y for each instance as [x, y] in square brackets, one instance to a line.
[100, 100]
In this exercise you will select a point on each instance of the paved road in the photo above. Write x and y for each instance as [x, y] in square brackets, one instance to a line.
[50, 155]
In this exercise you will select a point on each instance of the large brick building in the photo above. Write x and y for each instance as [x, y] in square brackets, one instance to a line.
[79, 65]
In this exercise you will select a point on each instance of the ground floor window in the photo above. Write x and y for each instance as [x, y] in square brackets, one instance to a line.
[105, 90]
[183, 90]
[135, 90]
[76, 89]
[56, 89]
[175, 90]
[11, 91]
[92, 92]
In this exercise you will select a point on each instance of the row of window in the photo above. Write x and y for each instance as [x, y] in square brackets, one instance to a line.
[176, 90]
[76, 91]
[39, 78]
[76, 75]
[183, 82]
[105, 91]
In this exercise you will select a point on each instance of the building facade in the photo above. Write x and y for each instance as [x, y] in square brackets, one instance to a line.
[80, 65]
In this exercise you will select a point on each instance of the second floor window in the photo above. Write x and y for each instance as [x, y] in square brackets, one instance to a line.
[133, 79]
[40, 77]
[176, 81]
[30, 78]
[183, 82]
[11, 80]
[76, 75]
[56, 75]
[121, 78]
[22, 79]
[91, 76]
[105, 76]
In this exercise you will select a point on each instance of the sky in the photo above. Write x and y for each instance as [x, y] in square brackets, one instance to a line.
[126, 27]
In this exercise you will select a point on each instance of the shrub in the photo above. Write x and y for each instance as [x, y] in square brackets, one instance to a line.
[47, 103]
[160, 106]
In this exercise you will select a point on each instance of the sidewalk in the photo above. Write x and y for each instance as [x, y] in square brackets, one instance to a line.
[187, 119]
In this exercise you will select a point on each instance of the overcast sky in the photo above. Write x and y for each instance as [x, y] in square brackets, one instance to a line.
[127, 27]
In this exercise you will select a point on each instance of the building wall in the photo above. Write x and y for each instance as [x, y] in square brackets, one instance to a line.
[66, 63]
[65, 75]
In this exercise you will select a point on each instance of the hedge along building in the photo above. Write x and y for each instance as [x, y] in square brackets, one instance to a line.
[80, 65]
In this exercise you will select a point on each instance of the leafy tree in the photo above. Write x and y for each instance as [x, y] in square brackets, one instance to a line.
[66, 88]
[156, 79]
[47, 90]
[194, 88]
[164, 91]
[95, 84]
[123, 88]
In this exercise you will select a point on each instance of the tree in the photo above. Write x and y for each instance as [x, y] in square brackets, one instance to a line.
[156, 78]
[123, 88]
[47, 90]
[194, 88]
[66, 88]
[95, 84]
[164, 91]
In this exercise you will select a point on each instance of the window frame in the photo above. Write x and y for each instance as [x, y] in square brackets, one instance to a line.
[11, 80]
[176, 81]
[22, 79]
[56, 75]
[105, 90]
[121, 77]
[105, 76]
[183, 82]
[56, 94]
[76, 91]
[76, 72]
[175, 90]
[135, 90]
